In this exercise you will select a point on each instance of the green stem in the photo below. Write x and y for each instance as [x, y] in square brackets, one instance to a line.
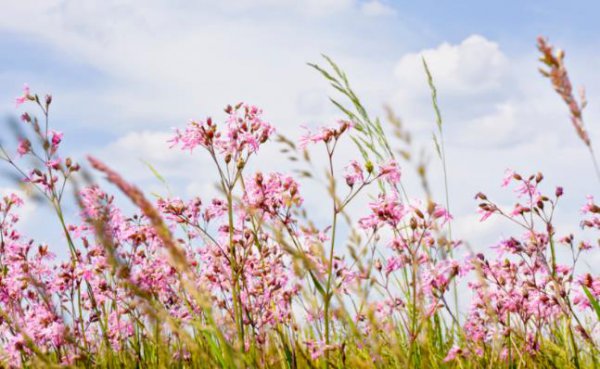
[328, 292]
[237, 308]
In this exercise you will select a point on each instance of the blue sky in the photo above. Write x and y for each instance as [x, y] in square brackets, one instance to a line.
[123, 73]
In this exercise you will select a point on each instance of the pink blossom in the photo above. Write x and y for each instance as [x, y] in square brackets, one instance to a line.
[440, 212]
[24, 147]
[508, 177]
[354, 173]
[485, 213]
[23, 98]
[390, 172]
[274, 194]
[324, 134]
[386, 210]
[55, 140]
[454, 353]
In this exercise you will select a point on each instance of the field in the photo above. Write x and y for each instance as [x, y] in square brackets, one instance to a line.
[250, 280]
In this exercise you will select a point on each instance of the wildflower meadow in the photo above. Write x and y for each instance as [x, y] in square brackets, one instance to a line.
[252, 279]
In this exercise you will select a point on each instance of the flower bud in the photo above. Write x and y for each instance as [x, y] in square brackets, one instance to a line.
[378, 265]
[559, 191]
[413, 223]
[539, 177]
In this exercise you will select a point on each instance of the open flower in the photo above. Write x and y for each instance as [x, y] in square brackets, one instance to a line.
[23, 98]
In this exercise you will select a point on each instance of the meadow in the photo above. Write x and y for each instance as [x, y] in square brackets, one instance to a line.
[249, 280]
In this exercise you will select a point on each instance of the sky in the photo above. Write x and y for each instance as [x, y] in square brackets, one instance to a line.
[124, 73]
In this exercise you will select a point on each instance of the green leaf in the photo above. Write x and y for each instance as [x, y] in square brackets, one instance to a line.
[438, 115]
[317, 283]
[437, 145]
[350, 115]
[593, 301]
[155, 172]
[363, 152]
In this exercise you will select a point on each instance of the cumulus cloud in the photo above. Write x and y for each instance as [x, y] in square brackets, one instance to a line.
[474, 66]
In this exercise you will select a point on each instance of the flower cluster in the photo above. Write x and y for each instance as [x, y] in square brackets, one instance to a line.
[274, 195]
[244, 132]
[230, 278]
[325, 134]
[519, 295]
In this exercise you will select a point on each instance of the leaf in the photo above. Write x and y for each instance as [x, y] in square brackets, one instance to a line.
[322, 71]
[437, 145]
[593, 301]
[155, 172]
[363, 152]
[438, 116]
[352, 116]
[317, 283]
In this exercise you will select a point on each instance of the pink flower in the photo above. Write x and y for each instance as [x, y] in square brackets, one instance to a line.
[485, 213]
[394, 263]
[454, 353]
[590, 206]
[390, 172]
[244, 132]
[386, 210]
[354, 173]
[272, 194]
[23, 98]
[56, 138]
[508, 177]
[324, 134]
[440, 212]
[24, 147]
[201, 133]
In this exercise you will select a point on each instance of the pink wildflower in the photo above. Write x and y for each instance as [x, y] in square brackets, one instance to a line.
[325, 134]
[454, 353]
[390, 172]
[23, 98]
[24, 147]
[508, 177]
[354, 173]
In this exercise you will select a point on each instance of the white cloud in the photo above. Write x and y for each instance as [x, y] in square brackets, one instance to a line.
[474, 66]
[131, 153]
[164, 64]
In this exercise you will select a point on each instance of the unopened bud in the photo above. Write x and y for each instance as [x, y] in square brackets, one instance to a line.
[539, 177]
[413, 223]
[430, 207]
[240, 163]
[378, 265]
[559, 191]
